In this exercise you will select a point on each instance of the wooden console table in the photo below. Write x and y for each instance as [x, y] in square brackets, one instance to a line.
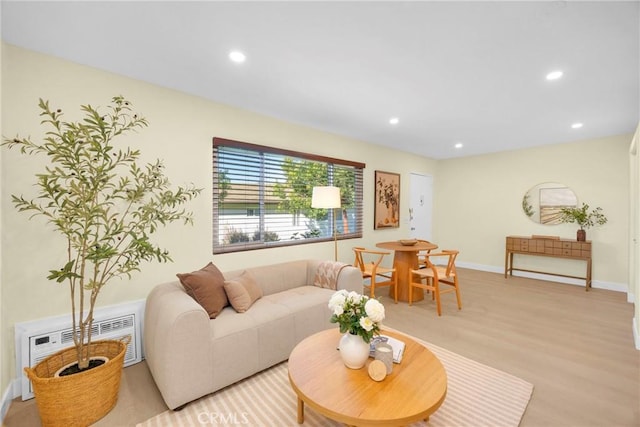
[549, 247]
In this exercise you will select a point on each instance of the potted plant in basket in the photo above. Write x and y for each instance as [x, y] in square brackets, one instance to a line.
[583, 217]
[359, 318]
[106, 207]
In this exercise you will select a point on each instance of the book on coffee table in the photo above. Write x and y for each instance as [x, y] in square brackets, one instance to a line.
[396, 344]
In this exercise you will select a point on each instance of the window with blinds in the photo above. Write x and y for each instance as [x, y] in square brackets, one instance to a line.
[262, 197]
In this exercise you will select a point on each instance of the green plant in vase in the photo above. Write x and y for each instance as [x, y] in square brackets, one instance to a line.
[584, 217]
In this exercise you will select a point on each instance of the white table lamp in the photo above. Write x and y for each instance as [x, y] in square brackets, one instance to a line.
[327, 197]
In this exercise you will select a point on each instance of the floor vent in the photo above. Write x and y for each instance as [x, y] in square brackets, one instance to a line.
[40, 338]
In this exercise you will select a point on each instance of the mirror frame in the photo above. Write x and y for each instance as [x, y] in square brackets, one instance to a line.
[543, 202]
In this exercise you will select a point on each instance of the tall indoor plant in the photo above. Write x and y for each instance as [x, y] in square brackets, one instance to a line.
[584, 217]
[101, 201]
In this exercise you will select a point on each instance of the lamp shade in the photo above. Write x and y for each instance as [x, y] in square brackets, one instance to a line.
[325, 197]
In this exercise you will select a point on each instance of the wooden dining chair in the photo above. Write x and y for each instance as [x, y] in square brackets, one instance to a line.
[422, 262]
[435, 276]
[368, 261]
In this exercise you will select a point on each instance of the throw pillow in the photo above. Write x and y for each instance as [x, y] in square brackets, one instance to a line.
[206, 286]
[327, 274]
[242, 291]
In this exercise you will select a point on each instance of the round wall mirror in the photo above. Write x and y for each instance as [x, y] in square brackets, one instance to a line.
[543, 202]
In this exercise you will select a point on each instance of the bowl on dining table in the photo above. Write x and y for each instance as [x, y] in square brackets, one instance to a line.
[408, 242]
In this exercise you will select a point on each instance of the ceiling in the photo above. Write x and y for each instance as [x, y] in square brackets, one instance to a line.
[452, 72]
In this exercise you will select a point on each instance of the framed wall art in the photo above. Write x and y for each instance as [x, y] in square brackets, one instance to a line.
[387, 200]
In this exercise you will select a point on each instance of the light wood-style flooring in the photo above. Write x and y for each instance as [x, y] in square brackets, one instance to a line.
[575, 347]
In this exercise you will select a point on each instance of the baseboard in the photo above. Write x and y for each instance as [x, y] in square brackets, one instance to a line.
[636, 336]
[618, 287]
[9, 394]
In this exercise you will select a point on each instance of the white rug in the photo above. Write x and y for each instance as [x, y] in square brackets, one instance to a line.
[477, 396]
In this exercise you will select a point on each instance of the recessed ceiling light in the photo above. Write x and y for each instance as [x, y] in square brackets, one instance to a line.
[554, 75]
[237, 56]
[576, 126]
[459, 145]
[394, 120]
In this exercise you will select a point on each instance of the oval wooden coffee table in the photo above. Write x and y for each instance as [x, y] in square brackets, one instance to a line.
[412, 392]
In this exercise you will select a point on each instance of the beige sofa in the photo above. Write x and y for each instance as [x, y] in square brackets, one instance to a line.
[191, 355]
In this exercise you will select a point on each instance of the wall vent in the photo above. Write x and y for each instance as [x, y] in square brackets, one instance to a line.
[35, 340]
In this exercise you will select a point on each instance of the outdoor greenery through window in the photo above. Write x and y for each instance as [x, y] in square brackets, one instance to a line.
[262, 197]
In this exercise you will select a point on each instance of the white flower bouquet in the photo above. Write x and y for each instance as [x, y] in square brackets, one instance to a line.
[356, 314]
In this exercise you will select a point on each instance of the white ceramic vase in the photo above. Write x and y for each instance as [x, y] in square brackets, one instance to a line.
[353, 350]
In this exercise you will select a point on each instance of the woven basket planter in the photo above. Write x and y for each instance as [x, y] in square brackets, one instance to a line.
[79, 399]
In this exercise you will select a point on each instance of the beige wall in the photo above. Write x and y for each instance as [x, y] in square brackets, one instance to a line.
[476, 200]
[180, 132]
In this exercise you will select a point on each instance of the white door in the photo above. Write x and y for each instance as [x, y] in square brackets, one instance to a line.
[420, 206]
[634, 240]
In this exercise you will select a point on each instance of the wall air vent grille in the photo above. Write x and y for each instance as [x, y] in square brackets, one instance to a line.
[39, 339]
[66, 337]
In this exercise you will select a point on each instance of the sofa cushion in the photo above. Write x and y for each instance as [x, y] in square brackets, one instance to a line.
[327, 274]
[242, 291]
[206, 286]
[279, 277]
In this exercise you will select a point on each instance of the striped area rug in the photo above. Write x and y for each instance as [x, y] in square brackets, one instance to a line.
[477, 396]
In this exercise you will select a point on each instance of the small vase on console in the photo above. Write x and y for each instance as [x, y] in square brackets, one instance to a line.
[353, 350]
[581, 235]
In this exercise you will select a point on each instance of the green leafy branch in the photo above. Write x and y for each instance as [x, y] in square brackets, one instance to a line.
[103, 203]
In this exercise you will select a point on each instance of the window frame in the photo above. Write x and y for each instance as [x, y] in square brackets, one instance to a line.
[331, 162]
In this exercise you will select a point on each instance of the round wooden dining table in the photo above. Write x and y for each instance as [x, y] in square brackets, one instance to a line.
[405, 258]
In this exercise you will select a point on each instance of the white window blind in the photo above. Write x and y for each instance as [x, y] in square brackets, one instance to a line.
[262, 197]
